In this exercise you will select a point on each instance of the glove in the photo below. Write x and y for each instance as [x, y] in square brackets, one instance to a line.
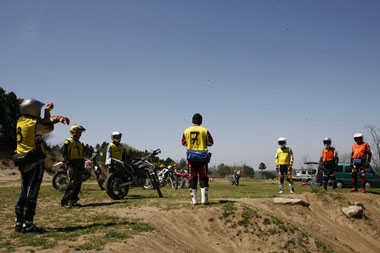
[63, 120]
[50, 106]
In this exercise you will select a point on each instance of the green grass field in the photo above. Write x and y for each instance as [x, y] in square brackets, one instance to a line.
[95, 224]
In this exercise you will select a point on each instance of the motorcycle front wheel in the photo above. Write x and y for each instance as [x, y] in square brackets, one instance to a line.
[173, 181]
[114, 189]
[60, 181]
[156, 184]
[101, 179]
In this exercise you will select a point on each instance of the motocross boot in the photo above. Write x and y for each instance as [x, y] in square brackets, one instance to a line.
[19, 219]
[281, 188]
[28, 226]
[291, 186]
[204, 193]
[193, 194]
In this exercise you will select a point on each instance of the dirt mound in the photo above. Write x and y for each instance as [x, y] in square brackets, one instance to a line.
[248, 225]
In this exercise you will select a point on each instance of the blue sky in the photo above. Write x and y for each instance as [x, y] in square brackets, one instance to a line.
[255, 70]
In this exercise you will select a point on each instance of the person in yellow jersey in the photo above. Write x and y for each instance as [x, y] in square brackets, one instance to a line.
[74, 159]
[30, 159]
[114, 150]
[284, 163]
[197, 139]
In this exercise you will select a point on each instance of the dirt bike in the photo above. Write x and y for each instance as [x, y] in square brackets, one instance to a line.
[182, 178]
[138, 173]
[61, 178]
[168, 176]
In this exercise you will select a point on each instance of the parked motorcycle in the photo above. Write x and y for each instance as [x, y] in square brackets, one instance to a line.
[138, 173]
[61, 179]
[168, 176]
[183, 178]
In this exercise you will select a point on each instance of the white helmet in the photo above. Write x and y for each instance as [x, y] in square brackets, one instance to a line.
[327, 142]
[281, 141]
[116, 136]
[31, 107]
[358, 135]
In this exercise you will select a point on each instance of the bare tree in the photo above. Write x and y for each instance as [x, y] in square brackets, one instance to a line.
[304, 159]
[374, 133]
[344, 158]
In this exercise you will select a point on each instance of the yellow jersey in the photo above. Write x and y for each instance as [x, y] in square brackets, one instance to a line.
[74, 148]
[116, 151]
[196, 138]
[284, 156]
[27, 139]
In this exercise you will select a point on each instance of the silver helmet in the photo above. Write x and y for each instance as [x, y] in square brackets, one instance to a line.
[327, 142]
[31, 107]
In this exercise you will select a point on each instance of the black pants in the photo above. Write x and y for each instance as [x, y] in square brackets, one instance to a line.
[73, 188]
[30, 187]
[329, 174]
[284, 171]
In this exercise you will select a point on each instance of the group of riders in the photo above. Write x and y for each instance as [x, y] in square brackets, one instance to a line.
[31, 153]
[360, 159]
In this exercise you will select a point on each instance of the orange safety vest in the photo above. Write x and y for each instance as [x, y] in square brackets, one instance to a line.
[328, 154]
[360, 150]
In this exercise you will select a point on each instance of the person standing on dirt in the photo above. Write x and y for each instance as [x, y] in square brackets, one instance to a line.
[360, 158]
[74, 159]
[114, 150]
[197, 139]
[284, 163]
[329, 160]
[30, 159]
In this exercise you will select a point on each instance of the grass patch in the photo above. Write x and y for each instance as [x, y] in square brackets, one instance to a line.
[267, 221]
[246, 215]
[277, 220]
[321, 245]
[228, 210]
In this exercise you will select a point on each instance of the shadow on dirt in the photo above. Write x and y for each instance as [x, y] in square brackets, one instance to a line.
[95, 225]
[375, 193]
[139, 197]
[224, 201]
[103, 204]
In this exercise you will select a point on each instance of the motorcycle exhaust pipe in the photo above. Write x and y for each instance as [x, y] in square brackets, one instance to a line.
[125, 184]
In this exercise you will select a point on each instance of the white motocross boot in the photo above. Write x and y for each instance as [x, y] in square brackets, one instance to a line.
[193, 194]
[281, 188]
[204, 193]
[291, 188]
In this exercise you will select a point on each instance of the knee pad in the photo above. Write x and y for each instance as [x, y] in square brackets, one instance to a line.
[280, 178]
